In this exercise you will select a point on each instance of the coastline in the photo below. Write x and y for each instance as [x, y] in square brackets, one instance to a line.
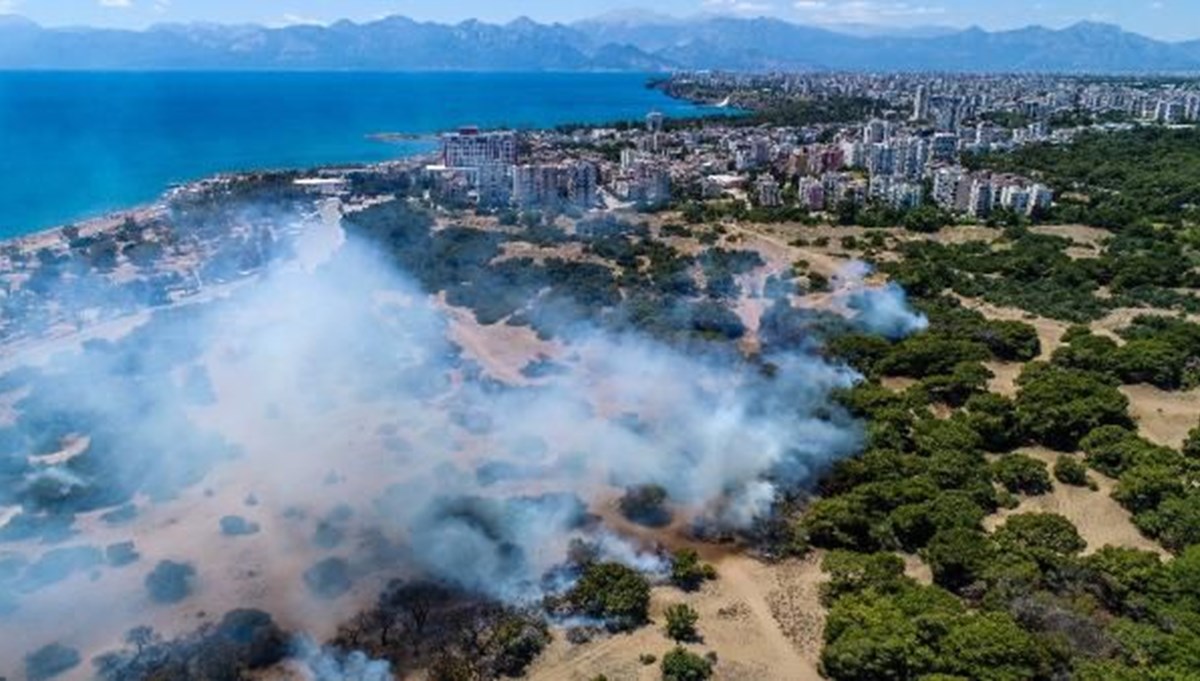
[159, 208]
[160, 133]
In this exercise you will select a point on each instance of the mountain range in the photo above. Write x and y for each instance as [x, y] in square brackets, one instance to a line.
[615, 42]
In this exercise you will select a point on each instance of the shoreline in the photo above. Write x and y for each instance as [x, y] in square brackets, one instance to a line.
[95, 223]
[160, 207]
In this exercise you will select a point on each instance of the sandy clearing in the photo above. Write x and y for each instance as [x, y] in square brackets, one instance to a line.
[1120, 318]
[898, 383]
[776, 248]
[1004, 377]
[917, 569]
[501, 349]
[1163, 417]
[1080, 234]
[1101, 521]
[740, 619]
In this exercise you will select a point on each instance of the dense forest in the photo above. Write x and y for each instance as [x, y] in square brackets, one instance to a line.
[1022, 602]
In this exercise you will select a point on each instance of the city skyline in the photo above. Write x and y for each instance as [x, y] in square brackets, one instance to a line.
[1174, 20]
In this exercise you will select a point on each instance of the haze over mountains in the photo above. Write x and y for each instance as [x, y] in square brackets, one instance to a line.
[624, 42]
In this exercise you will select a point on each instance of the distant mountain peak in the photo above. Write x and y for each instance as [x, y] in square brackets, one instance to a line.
[629, 40]
[632, 16]
[1094, 27]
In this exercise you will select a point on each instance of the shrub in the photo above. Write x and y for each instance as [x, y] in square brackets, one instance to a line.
[1070, 471]
[612, 592]
[681, 664]
[681, 622]
[687, 572]
[50, 661]
[1038, 533]
[644, 505]
[170, 582]
[1021, 474]
[237, 526]
[329, 578]
[121, 554]
[958, 557]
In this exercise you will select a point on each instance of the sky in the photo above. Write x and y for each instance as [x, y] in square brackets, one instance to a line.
[1165, 19]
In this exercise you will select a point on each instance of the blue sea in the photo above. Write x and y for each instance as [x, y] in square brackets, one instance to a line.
[76, 145]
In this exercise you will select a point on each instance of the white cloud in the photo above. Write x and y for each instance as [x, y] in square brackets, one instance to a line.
[739, 6]
[298, 20]
[116, 3]
[863, 11]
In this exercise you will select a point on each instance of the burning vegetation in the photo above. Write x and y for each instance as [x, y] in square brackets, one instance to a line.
[350, 494]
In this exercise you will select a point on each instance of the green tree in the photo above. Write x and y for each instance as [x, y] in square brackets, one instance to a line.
[994, 418]
[688, 572]
[1038, 533]
[868, 638]
[1144, 487]
[966, 380]
[681, 622]
[613, 592]
[1058, 407]
[958, 557]
[1010, 341]
[991, 646]
[850, 572]
[1022, 474]
[680, 664]
[1070, 471]
[1191, 446]
[913, 525]
[1122, 575]
[1175, 523]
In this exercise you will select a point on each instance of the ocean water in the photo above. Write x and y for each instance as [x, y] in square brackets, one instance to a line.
[76, 145]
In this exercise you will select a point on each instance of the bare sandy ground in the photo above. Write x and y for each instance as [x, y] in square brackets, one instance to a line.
[1122, 317]
[898, 383]
[502, 350]
[1004, 377]
[1101, 521]
[1163, 417]
[764, 621]
[1080, 234]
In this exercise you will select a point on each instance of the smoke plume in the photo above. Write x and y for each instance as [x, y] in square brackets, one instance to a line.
[326, 405]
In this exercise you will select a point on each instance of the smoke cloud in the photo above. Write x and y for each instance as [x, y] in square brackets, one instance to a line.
[326, 404]
[881, 310]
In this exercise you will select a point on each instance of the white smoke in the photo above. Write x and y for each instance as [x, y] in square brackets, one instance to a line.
[317, 663]
[881, 310]
[340, 406]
